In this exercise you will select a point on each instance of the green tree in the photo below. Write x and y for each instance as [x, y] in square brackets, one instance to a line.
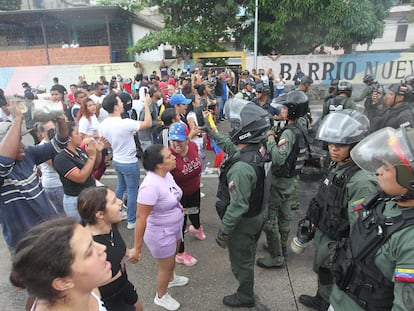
[298, 27]
[10, 5]
[192, 25]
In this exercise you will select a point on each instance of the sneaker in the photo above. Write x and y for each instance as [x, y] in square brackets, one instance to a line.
[166, 302]
[199, 233]
[131, 225]
[178, 281]
[185, 259]
[202, 195]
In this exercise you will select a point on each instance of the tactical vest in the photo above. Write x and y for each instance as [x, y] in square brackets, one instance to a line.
[250, 154]
[247, 96]
[336, 104]
[326, 209]
[354, 266]
[298, 155]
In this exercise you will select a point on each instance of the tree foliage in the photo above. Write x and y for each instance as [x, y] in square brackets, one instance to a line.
[289, 26]
[297, 27]
[10, 5]
[192, 25]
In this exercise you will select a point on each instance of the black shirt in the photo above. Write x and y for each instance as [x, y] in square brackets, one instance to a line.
[64, 163]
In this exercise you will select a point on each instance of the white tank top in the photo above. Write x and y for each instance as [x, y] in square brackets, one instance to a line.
[101, 306]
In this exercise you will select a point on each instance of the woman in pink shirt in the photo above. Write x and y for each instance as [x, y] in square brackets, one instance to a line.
[160, 221]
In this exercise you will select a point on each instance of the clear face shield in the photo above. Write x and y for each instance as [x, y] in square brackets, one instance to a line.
[386, 145]
[342, 128]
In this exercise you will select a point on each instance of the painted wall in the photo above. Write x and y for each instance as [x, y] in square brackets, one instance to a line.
[388, 68]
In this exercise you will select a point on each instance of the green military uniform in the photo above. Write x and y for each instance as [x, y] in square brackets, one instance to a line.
[277, 225]
[348, 104]
[356, 189]
[366, 92]
[243, 232]
[395, 259]
[293, 200]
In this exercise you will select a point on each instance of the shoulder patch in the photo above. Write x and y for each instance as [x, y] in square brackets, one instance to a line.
[232, 185]
[357, 205]
[281, 142]
[404, 275]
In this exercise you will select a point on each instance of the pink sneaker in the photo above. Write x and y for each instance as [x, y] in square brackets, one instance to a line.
[186, 259]
[199, 233]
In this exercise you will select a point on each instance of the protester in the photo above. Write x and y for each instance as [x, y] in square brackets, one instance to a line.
[58, 263]
[160, 221]
[120, 134]
[187, 175]
[50, 178]
[75, 166]
[100, 211]
[23, 201]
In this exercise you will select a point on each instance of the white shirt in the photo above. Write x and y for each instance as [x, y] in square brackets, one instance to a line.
[50, 178]
[88, 127]
[119, 132]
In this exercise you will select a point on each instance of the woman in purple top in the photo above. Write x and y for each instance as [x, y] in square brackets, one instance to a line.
[159, 221]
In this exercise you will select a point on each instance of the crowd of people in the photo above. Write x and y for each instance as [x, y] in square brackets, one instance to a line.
[166, 123]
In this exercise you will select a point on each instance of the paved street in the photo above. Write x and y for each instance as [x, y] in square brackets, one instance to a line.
[211, 278]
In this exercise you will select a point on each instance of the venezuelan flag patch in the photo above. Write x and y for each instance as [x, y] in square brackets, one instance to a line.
[404, 275]
[357, 205]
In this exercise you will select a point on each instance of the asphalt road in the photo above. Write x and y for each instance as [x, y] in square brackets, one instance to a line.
[211, 277]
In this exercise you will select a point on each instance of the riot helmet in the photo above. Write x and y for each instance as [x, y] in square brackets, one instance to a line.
[277, 105]
[401, 89]
[345, 87]
[379, 88]
[390, 146]
[262, 88]
[345, 127]
[334, 82]
[297, 103]
[306, 79]
[368, 78]
[249, 122]
[409, 80]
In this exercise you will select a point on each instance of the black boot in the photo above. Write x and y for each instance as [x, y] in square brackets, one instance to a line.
[314, 302]
[234, 302]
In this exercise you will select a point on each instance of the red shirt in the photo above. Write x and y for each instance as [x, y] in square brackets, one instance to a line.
[187, 172]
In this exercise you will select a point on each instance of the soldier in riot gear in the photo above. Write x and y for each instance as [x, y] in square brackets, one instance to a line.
[262, 98]
[248, 91]
[341, 101]
[377, 105]
[398, 112]
[369, 81]
[289, 151]
[374, 268]
[242, 192]
[333, 210]
[331, 91]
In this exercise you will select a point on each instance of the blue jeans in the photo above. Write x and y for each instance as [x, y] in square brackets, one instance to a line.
[128, 180]
[220, 106]
[70, 205]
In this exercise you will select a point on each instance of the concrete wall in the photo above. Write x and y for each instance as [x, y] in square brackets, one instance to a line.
[388, 68]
